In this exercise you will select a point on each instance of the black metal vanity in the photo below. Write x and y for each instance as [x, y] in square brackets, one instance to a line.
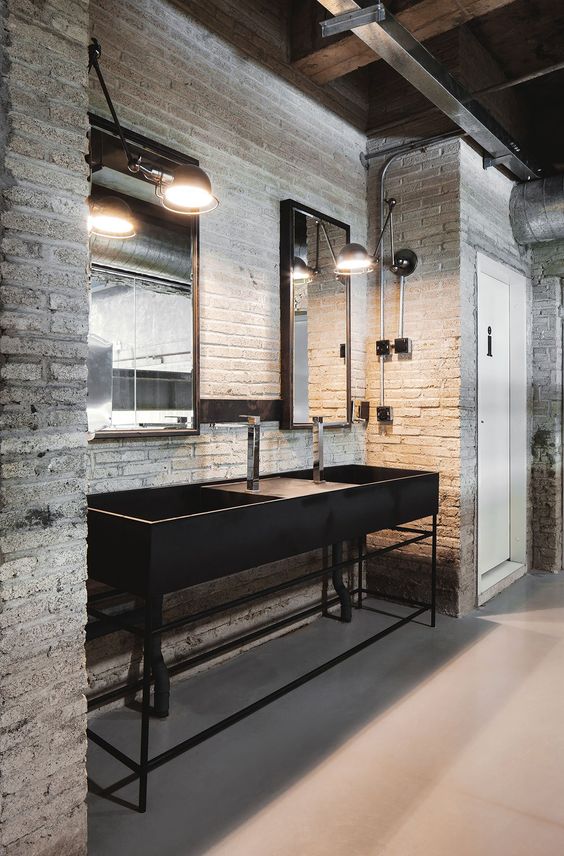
[155, 541]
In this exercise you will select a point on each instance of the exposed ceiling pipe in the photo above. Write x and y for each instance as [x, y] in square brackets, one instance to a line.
[536, 210]
[377, 28]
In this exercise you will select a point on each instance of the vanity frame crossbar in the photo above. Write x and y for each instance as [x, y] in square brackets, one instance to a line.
[151, 628]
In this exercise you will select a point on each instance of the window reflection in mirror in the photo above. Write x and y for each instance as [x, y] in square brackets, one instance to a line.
[320, 318]
[142, 355]
[146, 329]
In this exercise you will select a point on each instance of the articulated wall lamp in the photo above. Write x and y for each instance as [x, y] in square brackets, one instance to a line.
[187, 191]
[354, 258]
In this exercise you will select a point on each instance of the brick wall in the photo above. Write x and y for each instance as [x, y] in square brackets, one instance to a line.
[43, 312]
[424, 390]
[262, 140]
[449, 208]
[546, 485]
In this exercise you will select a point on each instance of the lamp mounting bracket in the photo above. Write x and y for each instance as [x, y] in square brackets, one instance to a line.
[501, 160]
[351, 20]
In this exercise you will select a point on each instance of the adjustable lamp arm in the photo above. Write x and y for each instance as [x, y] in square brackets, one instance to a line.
[391, 203]
[322, 224]
[94, 53]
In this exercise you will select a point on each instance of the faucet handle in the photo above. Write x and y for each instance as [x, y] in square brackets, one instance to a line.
[252, 420]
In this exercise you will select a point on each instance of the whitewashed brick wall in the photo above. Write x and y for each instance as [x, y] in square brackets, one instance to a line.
[449, 208]
[424, 390]
[261, 140]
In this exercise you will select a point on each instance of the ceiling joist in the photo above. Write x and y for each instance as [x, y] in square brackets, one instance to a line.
[424, 20]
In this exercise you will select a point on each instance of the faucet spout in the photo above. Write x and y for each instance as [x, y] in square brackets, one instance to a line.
[253, 451]
[318, 449]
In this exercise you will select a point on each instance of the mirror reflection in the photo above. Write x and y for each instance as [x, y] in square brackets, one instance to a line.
[142, 320]
[320, 321]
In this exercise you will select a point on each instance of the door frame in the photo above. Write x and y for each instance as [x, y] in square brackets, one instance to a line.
[518, 425]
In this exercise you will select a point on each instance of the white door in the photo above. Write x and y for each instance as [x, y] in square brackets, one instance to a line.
[502, 422]
[493, 424]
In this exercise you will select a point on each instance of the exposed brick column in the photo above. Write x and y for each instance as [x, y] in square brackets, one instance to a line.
[43, 315]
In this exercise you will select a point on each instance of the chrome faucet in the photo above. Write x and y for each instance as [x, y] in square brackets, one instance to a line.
[253, 449]
[318, 449]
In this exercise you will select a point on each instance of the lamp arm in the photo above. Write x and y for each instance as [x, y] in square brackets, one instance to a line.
[94, 52]
[333, 256]
[391, 206]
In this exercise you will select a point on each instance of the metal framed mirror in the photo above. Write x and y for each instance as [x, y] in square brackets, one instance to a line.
[315, 319]
[143, 354]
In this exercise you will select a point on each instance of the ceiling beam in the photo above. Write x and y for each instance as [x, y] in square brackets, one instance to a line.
[424, 20]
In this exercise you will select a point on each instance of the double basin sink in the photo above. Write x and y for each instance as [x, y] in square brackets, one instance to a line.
[159, 540]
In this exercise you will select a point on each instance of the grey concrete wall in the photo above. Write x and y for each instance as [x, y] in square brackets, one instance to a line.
[43, 316]
[546, 484]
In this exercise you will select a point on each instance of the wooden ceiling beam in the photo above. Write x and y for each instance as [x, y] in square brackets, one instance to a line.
[424, 20]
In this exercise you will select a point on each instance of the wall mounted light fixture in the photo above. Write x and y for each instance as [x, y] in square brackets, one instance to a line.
[355, 259]
[187, 191]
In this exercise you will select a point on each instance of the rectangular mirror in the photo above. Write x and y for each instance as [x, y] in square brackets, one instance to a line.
[315, 319]
[143, 355]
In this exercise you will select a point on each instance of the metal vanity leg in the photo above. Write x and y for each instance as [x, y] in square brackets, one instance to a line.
[340, 587]
[434, 573]
[361, 551]
[145, 706]
[159, 670]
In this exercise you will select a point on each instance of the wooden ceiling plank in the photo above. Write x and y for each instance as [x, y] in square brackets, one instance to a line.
[426, 19]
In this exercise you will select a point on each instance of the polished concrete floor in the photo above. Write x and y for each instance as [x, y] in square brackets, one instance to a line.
[430, 743]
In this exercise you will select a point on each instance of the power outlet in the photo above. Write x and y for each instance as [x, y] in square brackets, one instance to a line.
[383, 348]
[402, 346]
[384, 414]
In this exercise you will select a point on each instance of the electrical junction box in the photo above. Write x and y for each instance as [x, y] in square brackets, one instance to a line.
[402, 346]
[384, 414]
[361, 410]
[383, 348]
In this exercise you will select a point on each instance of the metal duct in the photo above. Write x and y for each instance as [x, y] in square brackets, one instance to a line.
[537, 210]
[158, 251]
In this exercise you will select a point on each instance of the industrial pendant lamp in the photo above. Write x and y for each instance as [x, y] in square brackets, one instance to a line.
[354, 258]
[187, 191]
[111, 217]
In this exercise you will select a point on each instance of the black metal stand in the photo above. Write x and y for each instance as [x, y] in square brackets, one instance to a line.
[154, 669]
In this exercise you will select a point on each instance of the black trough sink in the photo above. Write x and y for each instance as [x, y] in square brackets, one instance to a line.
[159, 540]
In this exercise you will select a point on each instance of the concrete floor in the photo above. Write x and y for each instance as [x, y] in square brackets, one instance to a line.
[430, 743]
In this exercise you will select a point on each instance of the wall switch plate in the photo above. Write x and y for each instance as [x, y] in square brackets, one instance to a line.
[402, 346]
[384, 414]
[383, 347]
[362, 410]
